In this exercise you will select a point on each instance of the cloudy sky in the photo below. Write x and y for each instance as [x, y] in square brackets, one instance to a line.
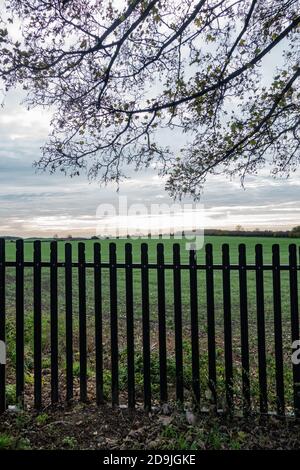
[34, 204]
[43, 204]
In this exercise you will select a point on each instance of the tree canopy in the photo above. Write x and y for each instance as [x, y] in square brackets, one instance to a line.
[296, 231]
[118, 74]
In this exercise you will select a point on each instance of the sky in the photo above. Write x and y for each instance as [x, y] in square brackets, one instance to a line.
[33, 204]
[42, 205]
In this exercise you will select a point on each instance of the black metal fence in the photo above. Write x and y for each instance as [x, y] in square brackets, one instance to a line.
[111, 269]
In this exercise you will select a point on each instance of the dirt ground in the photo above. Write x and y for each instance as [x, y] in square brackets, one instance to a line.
[85, 426]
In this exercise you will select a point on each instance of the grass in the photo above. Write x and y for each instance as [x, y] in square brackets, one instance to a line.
[69, 442]
[8, 442]
[196, 438]
[216, 241]
[218, 295]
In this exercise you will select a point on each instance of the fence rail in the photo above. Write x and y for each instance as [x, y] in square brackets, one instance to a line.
[110, 269]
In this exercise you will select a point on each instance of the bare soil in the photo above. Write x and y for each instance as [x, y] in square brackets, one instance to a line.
[86, 426]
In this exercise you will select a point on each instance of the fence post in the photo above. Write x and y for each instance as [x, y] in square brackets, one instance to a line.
[37, 325]
[114, 324]
[98, 323]
[278, 331]
[2, 324]
[294, 302]
[130, 326]
[178, 321]
[227, 326]
[146, 326]
[82, 321]
[20, 322]
[261, 334]
[244, 327]
[210, 301]
[54, 322]
[194, 326]
[161, 298]
[69, 319]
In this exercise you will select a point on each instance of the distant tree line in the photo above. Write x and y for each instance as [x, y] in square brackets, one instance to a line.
[239, 231]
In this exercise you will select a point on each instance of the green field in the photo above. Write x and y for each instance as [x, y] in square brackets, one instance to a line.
[217, 242]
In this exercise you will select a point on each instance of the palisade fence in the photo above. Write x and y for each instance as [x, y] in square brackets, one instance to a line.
[218, 333]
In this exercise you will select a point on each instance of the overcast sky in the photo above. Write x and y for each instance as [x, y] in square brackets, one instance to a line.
[42, 205]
